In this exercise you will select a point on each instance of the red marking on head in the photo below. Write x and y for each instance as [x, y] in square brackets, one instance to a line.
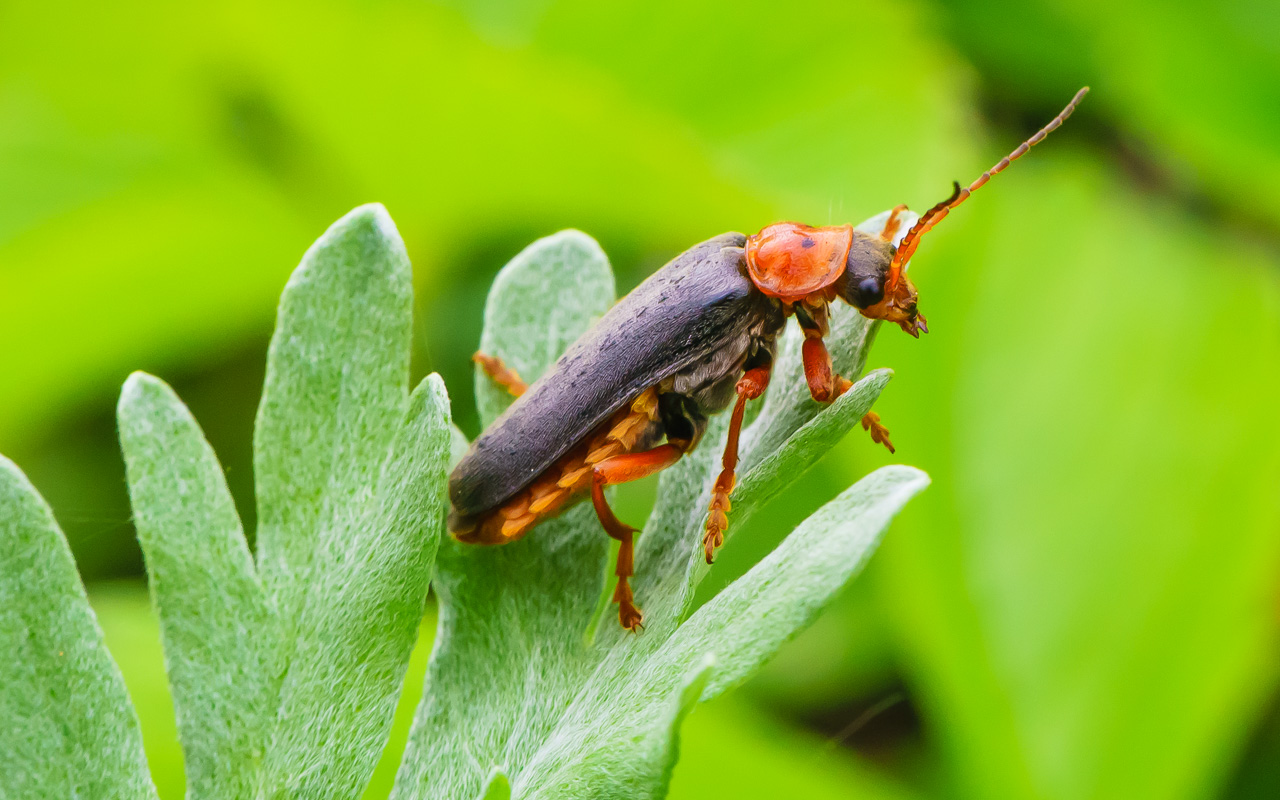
[791, 261]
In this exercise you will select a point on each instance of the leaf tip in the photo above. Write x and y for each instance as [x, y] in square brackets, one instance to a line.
[910, 479]
[138, 386]
[373, 216]
[431, 396]
[370, 222]
[574, 238]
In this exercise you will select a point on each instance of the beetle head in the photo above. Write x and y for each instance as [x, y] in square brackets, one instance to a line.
[869, 285]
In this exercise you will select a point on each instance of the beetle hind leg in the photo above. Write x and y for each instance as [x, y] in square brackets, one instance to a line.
[504, 376]
[621, 469]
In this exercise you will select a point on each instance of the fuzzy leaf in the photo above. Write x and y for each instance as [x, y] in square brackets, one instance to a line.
[350, 474]
[69, 729]
[521, 682]
[286, 673]
[361, 617]
[783, 593]
[778, 469]
[512, 618]
[335, 392]
[216, 624]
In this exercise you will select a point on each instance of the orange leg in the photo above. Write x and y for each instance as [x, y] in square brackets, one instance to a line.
[751, 386]
[826, 387]
[621, 469]
[879, 433]
[891, 224]
[503, 375]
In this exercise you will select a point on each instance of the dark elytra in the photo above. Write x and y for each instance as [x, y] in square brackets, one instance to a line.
[685, 313]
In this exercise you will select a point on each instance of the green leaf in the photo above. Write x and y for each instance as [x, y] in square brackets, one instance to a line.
[335, 392]
[361, 615]
[69, 729]
[522, 682]
[509, 646]
[216, 623]
[784, 592]
[286, 675]
[350, 474]
[779, 468]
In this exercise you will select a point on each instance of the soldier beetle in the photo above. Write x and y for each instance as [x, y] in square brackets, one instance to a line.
[633, 394]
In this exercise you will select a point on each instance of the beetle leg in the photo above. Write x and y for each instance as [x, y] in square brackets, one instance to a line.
[826, 387]
[891, 224]
[751, 386]
[823, 384]
[503, 375]
[621, 469]
[879, 433]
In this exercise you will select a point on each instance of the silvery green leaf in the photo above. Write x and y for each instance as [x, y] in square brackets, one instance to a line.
[522, 681]
[69, 729]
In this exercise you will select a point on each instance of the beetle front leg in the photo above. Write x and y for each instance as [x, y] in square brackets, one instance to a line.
[826, 386]
[621, 469]
[891, 224]
[502, 375]
[751, 386]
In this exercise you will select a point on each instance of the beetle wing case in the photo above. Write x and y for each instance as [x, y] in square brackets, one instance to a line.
[697, 304]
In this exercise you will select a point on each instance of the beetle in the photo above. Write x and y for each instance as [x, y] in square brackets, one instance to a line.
[633, 394]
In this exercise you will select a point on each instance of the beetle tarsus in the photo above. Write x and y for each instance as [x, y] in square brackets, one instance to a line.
[504, 376]
[879, 433]
[750, 386]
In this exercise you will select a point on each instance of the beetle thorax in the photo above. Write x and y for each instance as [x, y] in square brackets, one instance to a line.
[792, 261]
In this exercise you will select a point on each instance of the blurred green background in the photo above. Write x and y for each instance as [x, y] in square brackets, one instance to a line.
[1084, 604]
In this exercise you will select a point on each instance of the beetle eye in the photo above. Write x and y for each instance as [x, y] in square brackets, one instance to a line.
[868, 292]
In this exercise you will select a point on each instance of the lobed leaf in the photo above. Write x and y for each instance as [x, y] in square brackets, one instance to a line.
[775, 470]
[753, 616]
[520, 681]
[286, 675]
[509, 644]
[69, 729]
[360, 619]
[216, 623]
[335, 393]
[350, 475]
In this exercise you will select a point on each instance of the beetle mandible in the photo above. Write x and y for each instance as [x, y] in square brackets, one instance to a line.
[708, 336]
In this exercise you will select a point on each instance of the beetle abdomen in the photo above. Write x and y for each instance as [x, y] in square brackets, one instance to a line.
[567, 480]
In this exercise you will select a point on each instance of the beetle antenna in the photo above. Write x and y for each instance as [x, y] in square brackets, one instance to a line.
[936, 214]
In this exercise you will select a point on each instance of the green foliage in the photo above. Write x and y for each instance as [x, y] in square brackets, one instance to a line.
[285, 672]
[1084, 602]
[531, 675]
[285, 675]
[69, 728]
